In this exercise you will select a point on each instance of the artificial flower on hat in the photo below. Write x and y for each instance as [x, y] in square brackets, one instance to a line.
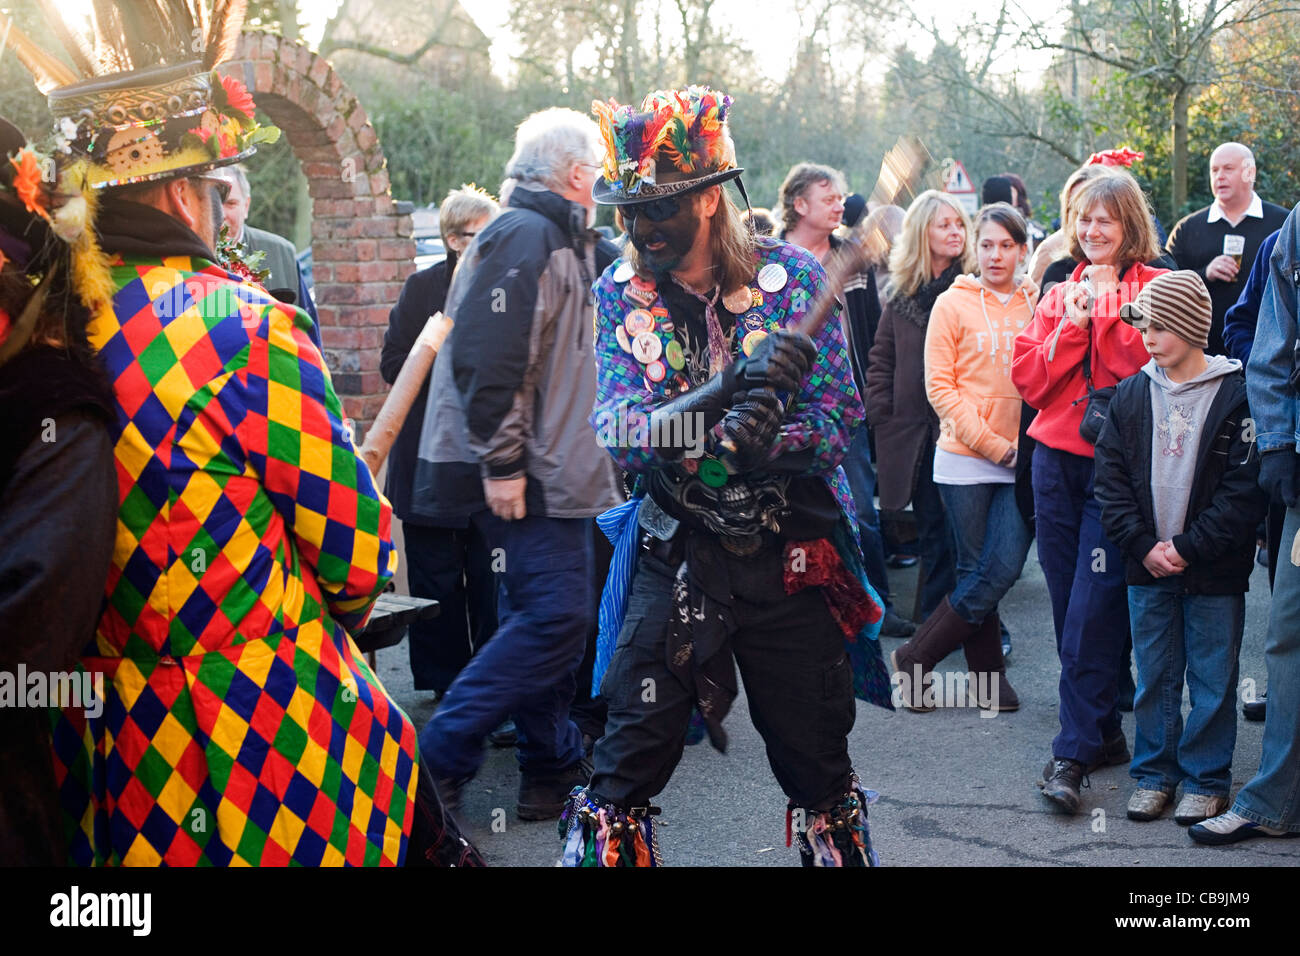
[677, 141]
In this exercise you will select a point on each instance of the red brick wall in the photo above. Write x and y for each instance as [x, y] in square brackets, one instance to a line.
[362, 248]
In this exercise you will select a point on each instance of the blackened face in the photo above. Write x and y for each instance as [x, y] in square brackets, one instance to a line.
[663, 245]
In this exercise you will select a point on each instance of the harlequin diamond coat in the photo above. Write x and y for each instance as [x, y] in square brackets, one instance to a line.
[241, 724]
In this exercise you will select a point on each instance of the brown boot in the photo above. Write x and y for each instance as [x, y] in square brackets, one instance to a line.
[984, 656]
[938, 636]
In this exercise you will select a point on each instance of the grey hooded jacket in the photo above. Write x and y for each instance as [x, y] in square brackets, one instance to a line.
[516, 378]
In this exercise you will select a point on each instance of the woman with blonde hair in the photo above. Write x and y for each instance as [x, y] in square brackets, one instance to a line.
[1076, 344]
[933, 248]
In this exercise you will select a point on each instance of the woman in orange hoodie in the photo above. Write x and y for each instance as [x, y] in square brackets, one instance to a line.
[968, 348]
[1113, 237]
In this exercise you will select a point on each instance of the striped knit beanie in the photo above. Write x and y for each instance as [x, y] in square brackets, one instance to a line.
[1176, 301]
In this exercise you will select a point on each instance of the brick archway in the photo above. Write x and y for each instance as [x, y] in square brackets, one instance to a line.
[362, 248]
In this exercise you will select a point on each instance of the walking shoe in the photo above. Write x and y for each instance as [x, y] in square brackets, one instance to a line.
[1254, 710]
[1195, 807]
[1145, 805]
[895, 626]
[1062, 786]
[504, 736]
[1231, 827]
[451, 791]
[899, 561]
[543, 795]
[1113, 753]
[984, 656]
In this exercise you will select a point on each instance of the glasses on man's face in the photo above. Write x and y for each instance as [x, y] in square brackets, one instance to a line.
[223, 187]
[656, 210]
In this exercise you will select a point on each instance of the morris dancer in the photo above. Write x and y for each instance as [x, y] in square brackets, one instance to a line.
[746, 552]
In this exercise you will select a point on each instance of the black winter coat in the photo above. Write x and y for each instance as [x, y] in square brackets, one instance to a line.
[1226, 503]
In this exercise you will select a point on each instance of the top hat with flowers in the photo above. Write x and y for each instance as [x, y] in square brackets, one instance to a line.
[677, 142]
[142, 103]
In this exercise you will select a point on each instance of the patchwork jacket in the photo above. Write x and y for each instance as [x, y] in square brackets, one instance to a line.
[239, 725]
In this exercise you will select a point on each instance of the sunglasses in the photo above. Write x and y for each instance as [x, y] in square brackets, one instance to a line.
[223, 187]
[656, 210]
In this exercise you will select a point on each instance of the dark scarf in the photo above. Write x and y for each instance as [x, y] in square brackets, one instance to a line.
[134, 229]
[915, 308]
[45, 382]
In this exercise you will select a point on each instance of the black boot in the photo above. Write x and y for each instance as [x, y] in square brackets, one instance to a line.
[542, 796]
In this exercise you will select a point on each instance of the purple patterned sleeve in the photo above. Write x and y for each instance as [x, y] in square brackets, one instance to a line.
[827, 410]
[621, 394]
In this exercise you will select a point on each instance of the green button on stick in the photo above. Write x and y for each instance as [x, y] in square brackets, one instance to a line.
[713, 473]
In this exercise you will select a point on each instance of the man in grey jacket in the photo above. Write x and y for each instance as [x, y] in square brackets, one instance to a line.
[506, 447]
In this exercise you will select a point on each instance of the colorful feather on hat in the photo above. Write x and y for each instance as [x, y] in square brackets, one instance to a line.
[686, 128]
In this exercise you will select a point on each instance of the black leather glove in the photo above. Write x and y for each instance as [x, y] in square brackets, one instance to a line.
[709, 402]
[780, 362]
[1277, 475]
[752, 426]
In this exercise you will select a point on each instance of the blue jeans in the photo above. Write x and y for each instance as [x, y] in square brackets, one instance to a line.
[1273, 796]
[862, 483]
[1199, 634]
[529, 668]
[1085, 579]
[934, 533]
[992, 544]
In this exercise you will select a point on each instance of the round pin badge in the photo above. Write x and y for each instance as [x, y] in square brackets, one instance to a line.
[638, 321]
[674, 355]
[750, 341]
[655, 371]
[753, 320]
[624, 342]
[772, 277]
[737, 301]
[646, 347]
[713, 473]
[624, 271]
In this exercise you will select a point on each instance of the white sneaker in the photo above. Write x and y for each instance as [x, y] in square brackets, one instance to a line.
[1195, 807]
[1231, 827]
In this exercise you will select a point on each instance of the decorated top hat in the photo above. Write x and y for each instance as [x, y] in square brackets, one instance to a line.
[676, 143]
[139, 105]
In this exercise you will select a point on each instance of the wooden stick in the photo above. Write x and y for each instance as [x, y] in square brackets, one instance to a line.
[415, 370]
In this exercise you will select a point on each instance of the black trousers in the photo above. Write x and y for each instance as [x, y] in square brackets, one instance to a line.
[454, 566]
[796, 675]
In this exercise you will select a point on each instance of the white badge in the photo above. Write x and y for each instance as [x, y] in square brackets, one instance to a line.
[624, 271]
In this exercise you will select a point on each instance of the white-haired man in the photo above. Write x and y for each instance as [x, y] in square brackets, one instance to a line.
[506, 446]
[284, 278]
[1219, 242]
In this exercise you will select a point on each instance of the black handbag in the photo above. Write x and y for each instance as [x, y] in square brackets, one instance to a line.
[1098, 399]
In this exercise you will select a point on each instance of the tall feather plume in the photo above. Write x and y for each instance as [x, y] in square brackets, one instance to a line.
[48, 72]
[108, 33]
[82, 53]
[223, 33]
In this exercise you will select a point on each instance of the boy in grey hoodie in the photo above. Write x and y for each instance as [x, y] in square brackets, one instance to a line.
[1176, 478]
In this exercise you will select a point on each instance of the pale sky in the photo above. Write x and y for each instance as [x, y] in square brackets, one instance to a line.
[768, 27]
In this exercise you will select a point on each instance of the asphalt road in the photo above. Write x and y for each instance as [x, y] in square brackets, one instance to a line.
[956, 789]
